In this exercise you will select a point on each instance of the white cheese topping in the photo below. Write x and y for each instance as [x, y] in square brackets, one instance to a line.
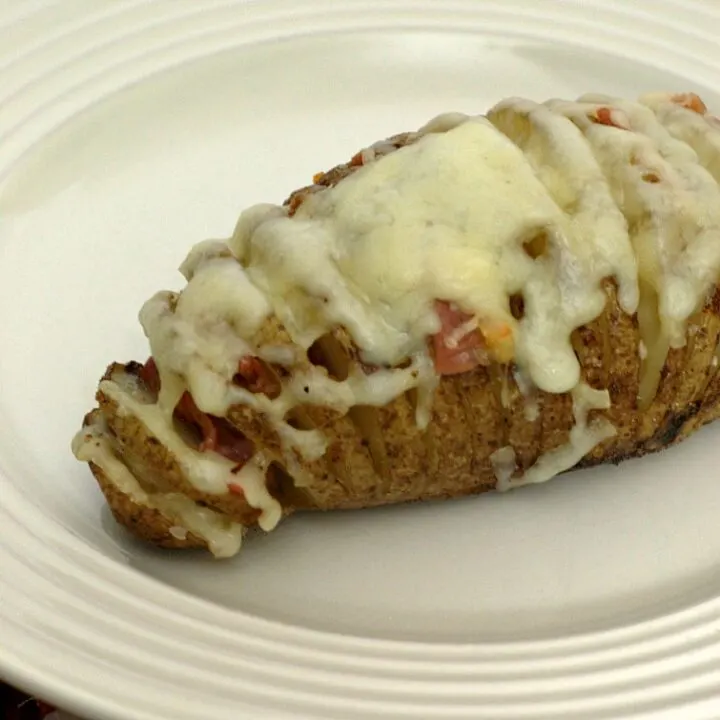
[251, 479]
[584, 437]
[445, 218]
[564, 162]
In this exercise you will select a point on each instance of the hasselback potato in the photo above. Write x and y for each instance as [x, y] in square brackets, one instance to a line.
[482, 304]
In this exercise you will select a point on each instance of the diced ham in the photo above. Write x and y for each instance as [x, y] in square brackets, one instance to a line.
[691, 101]
[231, 443]
[603, 116]
[463, 342]
[187, 411]
[610, 117]
[254, 375]
[150, 376]
[217, 434]
[453, 354]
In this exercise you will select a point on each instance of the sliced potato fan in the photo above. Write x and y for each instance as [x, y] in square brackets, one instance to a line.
[482, 304]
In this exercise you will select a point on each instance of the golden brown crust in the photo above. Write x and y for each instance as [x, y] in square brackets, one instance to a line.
[378, 456]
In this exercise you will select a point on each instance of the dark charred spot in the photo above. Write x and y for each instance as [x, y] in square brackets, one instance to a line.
[673, 425]
[282, 487]
[133, 368]
[613, 456]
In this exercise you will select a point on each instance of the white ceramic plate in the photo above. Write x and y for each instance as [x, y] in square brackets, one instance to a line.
[130, 130]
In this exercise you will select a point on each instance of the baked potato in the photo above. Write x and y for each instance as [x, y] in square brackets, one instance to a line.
[482, 304]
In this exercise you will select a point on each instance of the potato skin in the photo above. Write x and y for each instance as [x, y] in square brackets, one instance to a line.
[145, 523]
[378, 456]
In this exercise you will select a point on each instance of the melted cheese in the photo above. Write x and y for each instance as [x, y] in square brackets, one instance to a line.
[207, 471]
[584, 436]
[531, 408]
[672, 204]
[597, 236]
[198, 335]
[251, 479]
[223, 537]
[700, 132]
[444, 218]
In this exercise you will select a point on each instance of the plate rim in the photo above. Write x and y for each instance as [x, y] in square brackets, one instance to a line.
[318, 640]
